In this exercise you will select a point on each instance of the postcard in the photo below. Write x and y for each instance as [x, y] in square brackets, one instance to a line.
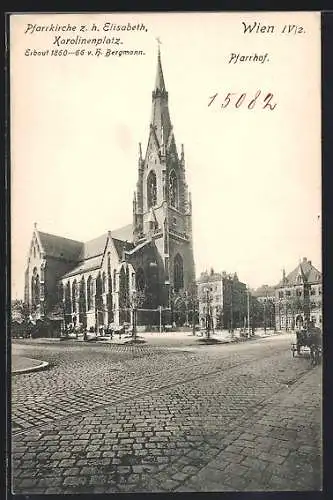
[166, 323]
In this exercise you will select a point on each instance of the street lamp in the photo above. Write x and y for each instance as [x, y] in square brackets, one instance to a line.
[186, 308]
[265, 303]
[231, 307]
[248, 312]
[208, 300]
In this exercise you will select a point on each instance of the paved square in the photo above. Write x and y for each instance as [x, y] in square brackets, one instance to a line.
[148, 418]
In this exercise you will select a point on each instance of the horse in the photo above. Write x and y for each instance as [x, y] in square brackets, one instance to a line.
[315, 344]
[301, 339]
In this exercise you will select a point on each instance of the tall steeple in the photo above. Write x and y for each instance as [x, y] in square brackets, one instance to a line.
[162, 212]
[159, 82]
[160, 118]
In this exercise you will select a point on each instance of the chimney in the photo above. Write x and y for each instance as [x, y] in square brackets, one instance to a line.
[304, 259]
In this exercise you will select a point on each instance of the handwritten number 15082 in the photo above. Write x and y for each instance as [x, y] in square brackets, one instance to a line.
[237, 100]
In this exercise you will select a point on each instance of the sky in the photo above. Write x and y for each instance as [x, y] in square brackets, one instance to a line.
[254, 174]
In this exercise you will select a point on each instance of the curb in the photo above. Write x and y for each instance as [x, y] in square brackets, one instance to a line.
[42, 366]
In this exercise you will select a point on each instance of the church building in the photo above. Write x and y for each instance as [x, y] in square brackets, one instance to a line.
[95, 283]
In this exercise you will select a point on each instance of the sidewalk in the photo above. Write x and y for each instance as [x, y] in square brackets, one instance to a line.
[278, 447]
[158, 338]
[180, 337]
[20, 364]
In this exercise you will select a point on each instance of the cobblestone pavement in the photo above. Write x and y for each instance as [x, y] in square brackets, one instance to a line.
[107, 418]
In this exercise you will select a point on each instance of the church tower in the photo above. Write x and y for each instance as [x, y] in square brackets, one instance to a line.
[162, 210]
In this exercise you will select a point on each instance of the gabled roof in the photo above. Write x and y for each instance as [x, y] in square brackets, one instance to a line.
[306, 270]
[59, 247]
[85, 265]
[86, 256]
[124, 233]
[94, 247]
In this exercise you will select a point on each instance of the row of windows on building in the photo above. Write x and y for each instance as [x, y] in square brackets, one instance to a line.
[289, 321]
[298, 293]
[90, 291]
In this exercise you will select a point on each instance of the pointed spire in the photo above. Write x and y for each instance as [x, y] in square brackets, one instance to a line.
[160, 120]
[159, 82]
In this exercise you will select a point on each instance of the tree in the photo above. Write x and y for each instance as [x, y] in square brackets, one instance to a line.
[186, 305]
[256, 312]
[20, 311]
[136, 301]
[192, 303]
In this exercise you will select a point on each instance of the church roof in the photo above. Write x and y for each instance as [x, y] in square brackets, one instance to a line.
[92, 253]
[306, 271]
[86, 256]
[94, 247]
[124, 233]
[59, 247]
[85, 266]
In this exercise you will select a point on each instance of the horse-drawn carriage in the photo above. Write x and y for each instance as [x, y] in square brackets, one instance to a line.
[309, 340]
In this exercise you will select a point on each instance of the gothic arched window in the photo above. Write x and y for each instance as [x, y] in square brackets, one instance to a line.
[74, 295]
[103, 283]
[140, 279]
[89, 292]
[151, 189]
[178, 273]
[35, 288]
[109, 263]
[68, 302]
[173, 189]
[123, 288]
[82, 301]
[109, 295]
[99, 291]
